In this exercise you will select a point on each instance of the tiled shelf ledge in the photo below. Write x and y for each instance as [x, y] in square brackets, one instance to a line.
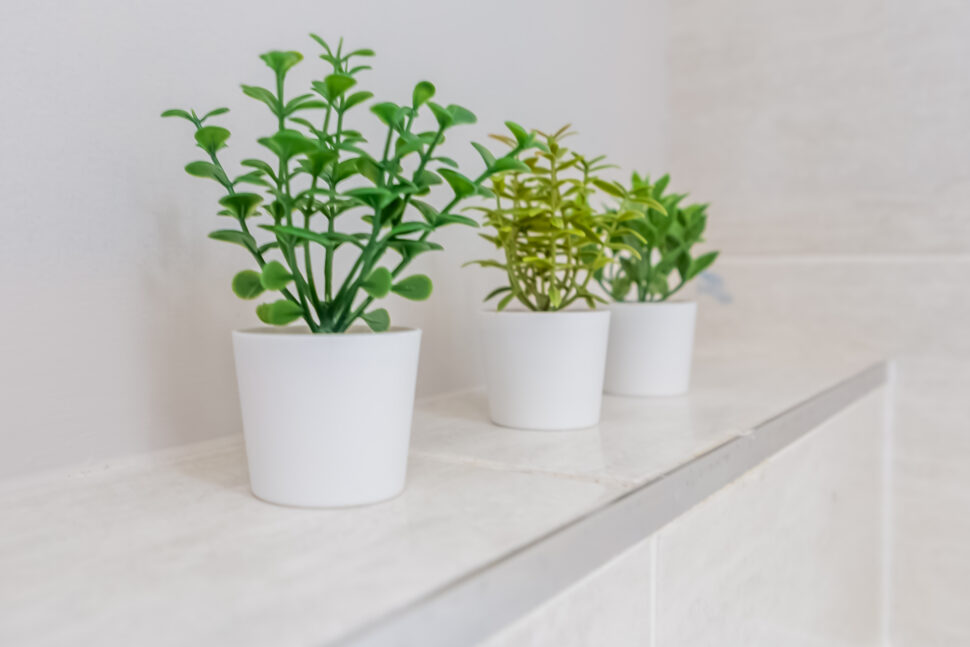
[171, 548]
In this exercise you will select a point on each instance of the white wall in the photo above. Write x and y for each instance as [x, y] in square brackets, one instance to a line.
[832, 139]
[116, 308]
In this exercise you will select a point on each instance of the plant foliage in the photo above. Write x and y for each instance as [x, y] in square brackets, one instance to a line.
[661, 244]
[553, 240]
[316, 173]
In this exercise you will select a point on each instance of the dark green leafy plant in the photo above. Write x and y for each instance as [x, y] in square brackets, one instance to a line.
[662, 244]
[319, 173]
[553, 239]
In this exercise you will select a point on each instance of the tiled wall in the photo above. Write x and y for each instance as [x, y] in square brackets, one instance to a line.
[833, 140]
[734, 571]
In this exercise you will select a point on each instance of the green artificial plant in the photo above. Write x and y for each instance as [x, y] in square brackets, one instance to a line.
[553, 239]
[661, 245]
[317, 174]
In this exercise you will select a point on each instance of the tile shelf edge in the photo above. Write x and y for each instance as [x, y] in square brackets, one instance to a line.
[505, 586]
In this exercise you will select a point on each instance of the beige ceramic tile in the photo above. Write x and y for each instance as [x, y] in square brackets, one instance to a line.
[824, 126]
[611, 607]
[177, 552]
[789, 554]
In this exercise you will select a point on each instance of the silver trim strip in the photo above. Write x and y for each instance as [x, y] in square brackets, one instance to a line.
[473, 607]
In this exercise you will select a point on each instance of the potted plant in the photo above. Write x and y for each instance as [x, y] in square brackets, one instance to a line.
[544, 360]
[652, 337]
[327, 406]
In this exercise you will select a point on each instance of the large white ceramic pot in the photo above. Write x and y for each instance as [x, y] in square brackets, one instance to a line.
[326, 417]
[544, 370]
[651, 345]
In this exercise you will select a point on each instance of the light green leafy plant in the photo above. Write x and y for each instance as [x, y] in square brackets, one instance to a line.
[553, 239]
[665, 236]
[319, 174]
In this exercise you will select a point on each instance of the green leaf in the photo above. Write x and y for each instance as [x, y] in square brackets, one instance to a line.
[336, 84]
[378, 320]
[700, 264]
[317, 161]
[211, 138]
[360, 52]
[611, 188]
[486, 154]
[520, 134]
[175, 112]
[280, 62]
[496, 292]
[461, 185]
[374, 197]
[388, 113]
[430, 213]
[416, 287]
[215, 112]
[423, 92]
[441, 114]
[426, 178]
[279, 313]
[242, 205]
[327, 239]
[408, 249]
[504, 302]
[461, 115]
[207, 170]
[275, 276]
[378, 284]
[287, 143]
[234, 236]
[357, 97]
[504, 164]
[247, 285]
[264, 95]
[454, 219]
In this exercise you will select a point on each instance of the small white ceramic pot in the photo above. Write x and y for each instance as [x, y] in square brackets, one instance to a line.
[326, 417]
[651, 345]
[544, 370]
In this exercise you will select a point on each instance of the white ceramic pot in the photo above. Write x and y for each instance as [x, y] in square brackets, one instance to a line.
[545, 369]
[651, 345]
[327, 417]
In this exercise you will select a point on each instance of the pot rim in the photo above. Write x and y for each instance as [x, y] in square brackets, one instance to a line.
[302, 332]
[678, 302]
[547, 313]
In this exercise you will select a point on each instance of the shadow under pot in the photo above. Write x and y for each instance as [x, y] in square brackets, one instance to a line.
[651, 346]
[326, 417]
[544, 370]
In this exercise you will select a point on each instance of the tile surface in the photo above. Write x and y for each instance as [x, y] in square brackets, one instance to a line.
[179, 552]
[611, 607]
[789, 554]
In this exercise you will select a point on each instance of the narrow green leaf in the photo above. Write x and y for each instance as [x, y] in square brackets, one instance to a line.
[234, 236]
[504, 164]
[175, 112]
[357, 97]
[504, 302]
[416, 287]
[246, 284]
[275, 276]
[264, 95]
[388, 113]
[215, 112]
[207, 170]
[461, 185]
[700, 264]
[520, 134]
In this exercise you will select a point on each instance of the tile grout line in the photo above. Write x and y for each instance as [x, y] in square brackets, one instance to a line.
[888, 502]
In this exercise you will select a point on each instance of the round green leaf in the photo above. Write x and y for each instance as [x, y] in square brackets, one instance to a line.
[280, 62]
[241, 205]
[279, 313]
[378, 284]
[423, 91]
[378, 320]
[275, 276]
[416, 288]
[211, 138]
[247, 285]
